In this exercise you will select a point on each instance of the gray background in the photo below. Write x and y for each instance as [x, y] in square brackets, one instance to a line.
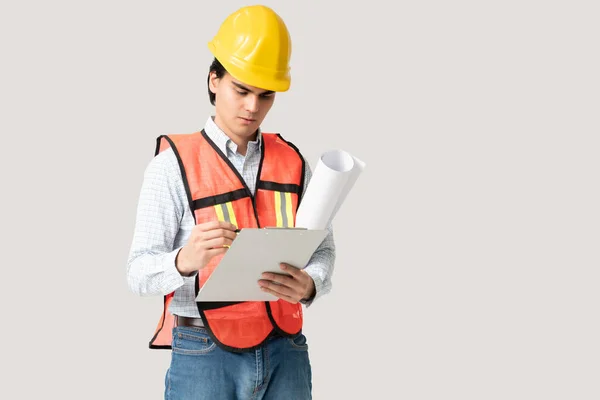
[467, 253]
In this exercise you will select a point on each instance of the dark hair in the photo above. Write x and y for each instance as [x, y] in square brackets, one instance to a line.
[220, 71]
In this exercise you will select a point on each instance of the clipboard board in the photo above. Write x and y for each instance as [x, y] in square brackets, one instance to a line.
[254, 251]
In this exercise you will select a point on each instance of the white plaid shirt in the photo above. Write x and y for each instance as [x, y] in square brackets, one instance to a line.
[164, 222]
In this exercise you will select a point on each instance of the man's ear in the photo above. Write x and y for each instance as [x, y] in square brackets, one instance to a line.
[213, 81]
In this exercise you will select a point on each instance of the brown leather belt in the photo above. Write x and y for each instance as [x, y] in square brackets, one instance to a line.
[188, 321]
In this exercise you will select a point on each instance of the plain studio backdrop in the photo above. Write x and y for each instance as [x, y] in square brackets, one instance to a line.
[467, 263]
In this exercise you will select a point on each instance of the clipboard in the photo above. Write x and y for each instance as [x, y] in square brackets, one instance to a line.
[254, 251]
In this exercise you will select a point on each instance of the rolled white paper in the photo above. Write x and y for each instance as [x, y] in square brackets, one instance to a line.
[333, 178]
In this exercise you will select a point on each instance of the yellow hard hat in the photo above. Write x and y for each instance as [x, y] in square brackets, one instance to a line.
[254, 46]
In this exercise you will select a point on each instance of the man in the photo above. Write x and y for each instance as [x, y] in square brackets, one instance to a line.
[197, 191]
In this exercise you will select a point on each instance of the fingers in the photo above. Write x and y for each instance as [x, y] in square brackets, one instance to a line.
[281, 291]
[215, 252]
[285, 287]
[281, 280]
[217, 242]
[218, 233]
[289, 299]
[212, 225]
[207, 234]
[295, 272]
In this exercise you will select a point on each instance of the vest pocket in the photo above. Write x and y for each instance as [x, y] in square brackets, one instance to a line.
[192, 341]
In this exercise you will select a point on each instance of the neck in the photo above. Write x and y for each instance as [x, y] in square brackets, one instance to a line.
[240, 141]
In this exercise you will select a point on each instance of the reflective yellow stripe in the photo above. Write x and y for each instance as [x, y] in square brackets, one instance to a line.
[232, 218]
[283, 209]
[225, 213]
[219, 212]
[288, 210]
[278, 209]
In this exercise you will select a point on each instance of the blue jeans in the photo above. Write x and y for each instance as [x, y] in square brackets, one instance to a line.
[201, 370]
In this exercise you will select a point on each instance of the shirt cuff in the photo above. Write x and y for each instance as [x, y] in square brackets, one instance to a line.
[318, 289]
[173, 277]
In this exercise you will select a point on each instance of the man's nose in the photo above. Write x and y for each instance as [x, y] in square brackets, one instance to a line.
[252, 103]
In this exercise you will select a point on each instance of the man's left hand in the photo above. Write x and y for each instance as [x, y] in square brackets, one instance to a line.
[292, 288]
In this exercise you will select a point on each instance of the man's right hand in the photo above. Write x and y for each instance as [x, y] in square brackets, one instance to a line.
[206, 241]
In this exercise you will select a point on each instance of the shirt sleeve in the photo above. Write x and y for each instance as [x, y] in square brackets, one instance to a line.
[321, 264]
[151, 264]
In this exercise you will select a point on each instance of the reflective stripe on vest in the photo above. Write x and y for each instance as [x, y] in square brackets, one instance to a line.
[216, 191]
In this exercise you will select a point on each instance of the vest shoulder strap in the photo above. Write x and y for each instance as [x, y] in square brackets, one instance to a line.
[177, 141]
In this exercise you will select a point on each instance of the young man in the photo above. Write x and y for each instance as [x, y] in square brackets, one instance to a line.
[197, 190]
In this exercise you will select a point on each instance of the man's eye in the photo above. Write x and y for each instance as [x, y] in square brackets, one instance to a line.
[241, 93]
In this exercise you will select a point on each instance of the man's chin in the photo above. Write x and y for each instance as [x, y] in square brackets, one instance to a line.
[246, 132]
[246, 129]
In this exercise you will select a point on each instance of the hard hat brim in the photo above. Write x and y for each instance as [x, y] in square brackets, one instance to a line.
[253, 75]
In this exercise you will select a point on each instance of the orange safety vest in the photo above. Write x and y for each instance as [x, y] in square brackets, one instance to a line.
[216, 191]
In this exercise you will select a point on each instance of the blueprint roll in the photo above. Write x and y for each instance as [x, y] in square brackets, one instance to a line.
[333, 178]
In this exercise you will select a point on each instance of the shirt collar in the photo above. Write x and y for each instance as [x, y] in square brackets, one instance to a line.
[223, 141]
